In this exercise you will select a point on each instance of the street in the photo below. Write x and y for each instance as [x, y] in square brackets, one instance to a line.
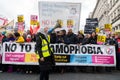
[115, 75]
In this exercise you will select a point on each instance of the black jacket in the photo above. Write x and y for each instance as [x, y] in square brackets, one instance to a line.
[48, 61]
[93, 40]
[71, 39]
[86, 41]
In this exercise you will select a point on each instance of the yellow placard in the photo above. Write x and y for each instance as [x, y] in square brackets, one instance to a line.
[70, 22]
[108, 27]
[81, 31]
[101, 38]
[97, 30]
[31, 57]
[32, 22]
[20, 18]
[60, 22]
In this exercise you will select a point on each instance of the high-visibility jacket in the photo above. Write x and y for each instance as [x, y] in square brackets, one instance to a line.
[45, 48]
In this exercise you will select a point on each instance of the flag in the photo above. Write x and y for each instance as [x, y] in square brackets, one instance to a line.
[7, 27]
[3, 21]
[34, 28]
[10, 25]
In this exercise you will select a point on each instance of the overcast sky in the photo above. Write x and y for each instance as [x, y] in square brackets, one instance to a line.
[12, 8]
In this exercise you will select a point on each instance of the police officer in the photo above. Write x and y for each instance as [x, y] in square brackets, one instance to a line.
[44, 52]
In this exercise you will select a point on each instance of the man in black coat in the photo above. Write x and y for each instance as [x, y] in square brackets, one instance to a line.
[45, 62]
[71, 38]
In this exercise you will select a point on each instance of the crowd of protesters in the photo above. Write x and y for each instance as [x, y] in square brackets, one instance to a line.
[71, 38]
[60, 36]
[16, 37]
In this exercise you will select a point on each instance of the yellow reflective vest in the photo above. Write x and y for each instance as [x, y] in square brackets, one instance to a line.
[45, 48]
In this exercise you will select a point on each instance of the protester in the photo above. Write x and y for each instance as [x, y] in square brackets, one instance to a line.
[4, 39]
[33, 38]
[1, 70]
[80, 37]
[86, 39]
[59, 37]
[71, 38]
[28, 38]
[93, 39]
[53, 38]
[24, 36]
[10, 37]
[19, 38]
[118, 53]
[110, 40]
[1, 37]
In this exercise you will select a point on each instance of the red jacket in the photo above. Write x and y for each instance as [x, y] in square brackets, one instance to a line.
[28, 39]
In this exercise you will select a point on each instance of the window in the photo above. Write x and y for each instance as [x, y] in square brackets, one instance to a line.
[114, 14]
[113, 2]
[110, 3]
[119, 10]
[113, 29]
[111, 16]
[116, 27]
[119, 26]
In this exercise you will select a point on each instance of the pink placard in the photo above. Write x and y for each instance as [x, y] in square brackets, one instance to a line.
[102, 59]
[15, 57]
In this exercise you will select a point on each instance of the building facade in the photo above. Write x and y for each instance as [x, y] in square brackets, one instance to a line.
[108, 12]
[114, 14]
[101, 12]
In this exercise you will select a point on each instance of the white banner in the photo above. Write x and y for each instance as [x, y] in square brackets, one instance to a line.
[67, 13]
[74, 55]
[15, 53]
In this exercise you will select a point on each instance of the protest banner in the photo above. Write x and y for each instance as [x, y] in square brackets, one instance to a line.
[91, 25]
[34, 24]
[74, 55]
[15, 53]
[97, 30]
[7, 27]
[33, 20]
[50, 12]
[20, 27]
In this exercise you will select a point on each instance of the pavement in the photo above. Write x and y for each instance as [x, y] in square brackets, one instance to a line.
[65, 76]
